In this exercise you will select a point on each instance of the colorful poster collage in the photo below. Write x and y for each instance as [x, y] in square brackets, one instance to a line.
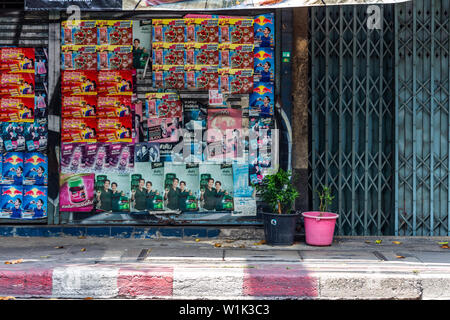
[165, 153]
[23, 139]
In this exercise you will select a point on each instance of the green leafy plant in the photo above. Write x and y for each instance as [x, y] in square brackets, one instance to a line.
[278, 191]
[326, 199]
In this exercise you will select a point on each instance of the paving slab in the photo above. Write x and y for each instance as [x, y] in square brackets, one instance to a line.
[187, 253]
[326, 255]
[261, 255]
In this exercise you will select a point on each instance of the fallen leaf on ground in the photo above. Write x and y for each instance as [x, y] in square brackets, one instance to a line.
[88, 298]
[7, 298]
[378, 241]
[444, 246]
[44, 257]
[442, 242]
[14, 261]
[242, 246]
[400, 257]
[217, 245]
[81, 237]
[367, 241]
[197, 240]
[83, 249]
[396, 242]
[59, 247]
[260, 243]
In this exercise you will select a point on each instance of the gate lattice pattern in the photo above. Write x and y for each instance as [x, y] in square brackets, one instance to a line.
[379, 113]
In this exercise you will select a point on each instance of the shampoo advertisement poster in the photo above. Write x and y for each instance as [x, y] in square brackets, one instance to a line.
[76, 192]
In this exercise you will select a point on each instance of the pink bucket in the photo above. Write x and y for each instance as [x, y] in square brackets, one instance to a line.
[319, 230]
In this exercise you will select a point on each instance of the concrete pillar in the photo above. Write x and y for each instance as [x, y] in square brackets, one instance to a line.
[300, 105]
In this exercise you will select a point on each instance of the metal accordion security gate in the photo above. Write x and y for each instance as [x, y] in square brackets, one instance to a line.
[379, 116]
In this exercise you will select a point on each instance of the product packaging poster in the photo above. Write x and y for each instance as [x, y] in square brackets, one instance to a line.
[120, 157]
[36, 136]
[71, 157]
[202, 54]
[114, 106]
[147, 187]
[236, 81]
[79, 82]
[264, 64]
[94, 157]
[79, 32]
[115, 129]
[34, 202]
[35, 169]
[112, 192]
[171, 152]
[170, 54]
[76, 192]
[262, 99]
[169, 30]
[11, 202]
[264, 26]
[146, 152]
[18, 85]
[76, 57]
[163, 105]
[236, 56]
[12, 168]
[115, 57]
[17, 60]
[114, 32]
[13, 136]
[236, 30]
[163, 130]
[142, 34]
[119, 82]
[79, 130]
[202, 28]
[14, 109]
[79, 106]
[195, 113]
[202, 78]
[181, 186]
[216, 187]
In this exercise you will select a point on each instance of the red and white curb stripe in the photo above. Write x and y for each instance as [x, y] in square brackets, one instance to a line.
[217, 282]
[166, 282]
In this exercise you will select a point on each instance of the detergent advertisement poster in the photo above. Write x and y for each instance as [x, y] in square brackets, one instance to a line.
[147, 187]
[112, 192]
[181, 186]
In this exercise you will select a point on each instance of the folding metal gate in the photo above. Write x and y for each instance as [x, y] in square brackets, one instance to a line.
[379, 114]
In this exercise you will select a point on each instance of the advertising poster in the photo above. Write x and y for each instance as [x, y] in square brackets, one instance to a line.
[118, 82]
[76, 192]
[120, 157]
[76, 57]
[114, 106]
[244, 206]
[36, 136]
[147, 187]
[16, 109]
[18, 85]
[94, 157]
[79, 82]
[13, 136]
[115, 129]
[11, 202]
[79, 130]
[35, 169]
[181, 186]
[195, 112]
[163, 129]
[79, 106]
[262, 100]
[79, 32]
[264, 65]
[241, 187]
[142, 33]
[71, 157]
[112, 192]
[264, 27]
[114, 57]
[147, 152]
[12, 168]
[114, 32]
[216, 187]
[34, 202]
[17, 60]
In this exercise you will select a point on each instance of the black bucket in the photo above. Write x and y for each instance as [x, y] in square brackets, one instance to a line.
[279, 229]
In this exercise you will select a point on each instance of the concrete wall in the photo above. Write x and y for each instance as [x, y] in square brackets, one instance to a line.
[300, 105]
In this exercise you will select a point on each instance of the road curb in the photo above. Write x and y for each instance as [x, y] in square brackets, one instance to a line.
[205, 282]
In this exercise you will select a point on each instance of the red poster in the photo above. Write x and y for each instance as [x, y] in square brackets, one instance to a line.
[113, 83]
[79, 82]
[79, 106]
[115, 129]
[114, 106]
[17, 85]
[79, 130]
[16, 109]
[17, 60]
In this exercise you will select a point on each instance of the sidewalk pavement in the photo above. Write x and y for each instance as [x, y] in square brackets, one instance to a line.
[112, 268]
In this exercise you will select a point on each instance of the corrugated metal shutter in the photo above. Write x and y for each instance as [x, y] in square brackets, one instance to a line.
[24, 29]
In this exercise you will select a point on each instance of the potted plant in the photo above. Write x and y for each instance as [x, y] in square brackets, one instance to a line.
[278, 193]
[319, 225]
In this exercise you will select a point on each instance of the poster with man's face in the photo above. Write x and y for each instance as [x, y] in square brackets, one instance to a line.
[142, 32]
